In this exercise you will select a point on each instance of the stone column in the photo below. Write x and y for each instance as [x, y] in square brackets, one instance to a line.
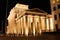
[43, 23]
[47, 25]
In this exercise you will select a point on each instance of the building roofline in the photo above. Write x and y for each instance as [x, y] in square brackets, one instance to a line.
[37, 10]
[32, 13]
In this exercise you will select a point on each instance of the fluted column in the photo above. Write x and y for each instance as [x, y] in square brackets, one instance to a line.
[26, 25]
[43, 23]
[47, 25]
[21, 27]
[51, 25]
[36, 24]
[40, 26]
[33, 27]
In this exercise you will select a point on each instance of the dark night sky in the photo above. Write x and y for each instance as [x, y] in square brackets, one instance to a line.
[41, 4]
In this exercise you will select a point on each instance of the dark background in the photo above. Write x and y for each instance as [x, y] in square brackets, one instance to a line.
[7, 5]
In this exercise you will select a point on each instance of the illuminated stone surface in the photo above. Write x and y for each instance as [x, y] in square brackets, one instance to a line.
[24, 21]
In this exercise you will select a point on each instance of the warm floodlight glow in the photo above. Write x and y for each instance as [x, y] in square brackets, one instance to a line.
[21, 6]
[40, 31]
[26, 31]
[47, 24]
[34, 31]
[15, 30]
[57, 0]
[31, 19]
[51, 24]
[43, 22]
[53, 1]
[25, 22]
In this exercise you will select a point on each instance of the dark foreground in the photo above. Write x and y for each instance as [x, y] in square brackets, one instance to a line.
[44, 36]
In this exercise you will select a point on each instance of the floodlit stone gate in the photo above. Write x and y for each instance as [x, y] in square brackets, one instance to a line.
[29, 21]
